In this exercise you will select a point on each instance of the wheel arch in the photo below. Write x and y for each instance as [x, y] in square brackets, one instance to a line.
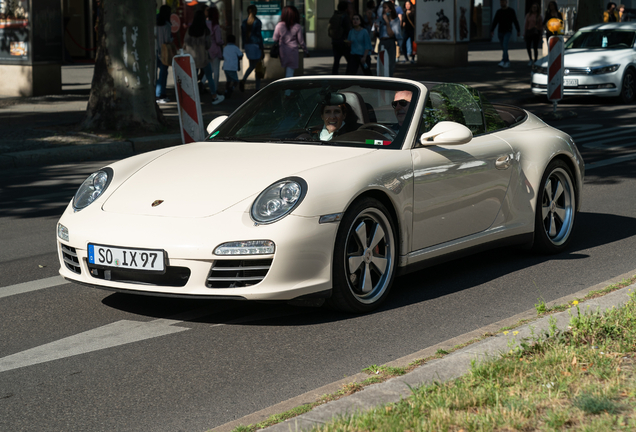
[578, 181]
[386, 200]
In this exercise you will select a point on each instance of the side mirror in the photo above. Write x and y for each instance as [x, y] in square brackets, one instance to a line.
[446, 132]
[215, 123]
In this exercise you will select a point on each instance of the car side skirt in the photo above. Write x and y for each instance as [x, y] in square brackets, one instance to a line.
[459, 248]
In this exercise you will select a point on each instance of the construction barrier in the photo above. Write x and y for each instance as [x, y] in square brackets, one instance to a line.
[555, 68]
[188, 100]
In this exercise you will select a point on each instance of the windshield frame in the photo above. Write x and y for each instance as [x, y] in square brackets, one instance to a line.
[585, 33]
[291, 88]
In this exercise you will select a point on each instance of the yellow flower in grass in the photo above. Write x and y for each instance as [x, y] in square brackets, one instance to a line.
[575, 302]
[515, 333]
[505, 333]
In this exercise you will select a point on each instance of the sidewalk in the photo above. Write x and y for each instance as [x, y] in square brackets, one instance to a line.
[40, 131]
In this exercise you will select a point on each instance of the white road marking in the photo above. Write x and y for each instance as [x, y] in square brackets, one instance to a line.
[121, 333]
[32, 286]
[610, 161]
[111, 335]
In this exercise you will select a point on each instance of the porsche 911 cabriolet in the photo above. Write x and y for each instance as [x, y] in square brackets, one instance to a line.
[324, 188]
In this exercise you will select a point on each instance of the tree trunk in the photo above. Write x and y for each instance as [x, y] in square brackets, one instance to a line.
[590, 12]
[123, 88]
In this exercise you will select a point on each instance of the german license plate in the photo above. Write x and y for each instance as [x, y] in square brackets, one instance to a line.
[570, 82]
[127, 258]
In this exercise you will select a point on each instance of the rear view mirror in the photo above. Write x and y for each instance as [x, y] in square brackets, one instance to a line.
[446, 132]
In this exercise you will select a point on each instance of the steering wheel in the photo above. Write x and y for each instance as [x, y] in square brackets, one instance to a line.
[383, 128]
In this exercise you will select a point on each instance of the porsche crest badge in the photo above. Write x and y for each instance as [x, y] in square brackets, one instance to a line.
[156, 203]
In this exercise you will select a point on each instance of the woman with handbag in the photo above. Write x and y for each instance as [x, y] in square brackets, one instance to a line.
[389, 32]
[163, 36]
[533, 29]
[197, 43]
[252, 44]
[289, 35]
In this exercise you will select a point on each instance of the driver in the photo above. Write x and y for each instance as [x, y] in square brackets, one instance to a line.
[400, 104]
[334, 119]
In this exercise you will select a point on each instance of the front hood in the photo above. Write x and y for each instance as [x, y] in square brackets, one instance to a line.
[203, 179]
[582, 58]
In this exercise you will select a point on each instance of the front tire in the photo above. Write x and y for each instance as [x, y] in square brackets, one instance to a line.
[365, 258]
[628, 88]
[556, 209]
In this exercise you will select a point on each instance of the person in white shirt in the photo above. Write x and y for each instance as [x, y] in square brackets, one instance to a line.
[231, 64]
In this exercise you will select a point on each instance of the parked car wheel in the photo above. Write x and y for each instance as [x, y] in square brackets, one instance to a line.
[556, 209]
[365, 256]
[628, 90]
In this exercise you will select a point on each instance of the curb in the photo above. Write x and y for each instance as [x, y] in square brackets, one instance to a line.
[84, 152]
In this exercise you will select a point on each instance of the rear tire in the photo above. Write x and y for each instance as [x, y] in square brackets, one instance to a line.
[556, 209]
[364, 258]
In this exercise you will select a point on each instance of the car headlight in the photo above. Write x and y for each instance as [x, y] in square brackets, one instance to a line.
[92, 188]
[604, 69]
[278, 200]
[539, 70]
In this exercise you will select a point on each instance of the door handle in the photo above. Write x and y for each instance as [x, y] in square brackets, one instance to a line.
[503, 162]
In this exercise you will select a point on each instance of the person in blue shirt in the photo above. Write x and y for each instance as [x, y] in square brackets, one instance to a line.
[252, 44]
[389, 32]
[360, 43]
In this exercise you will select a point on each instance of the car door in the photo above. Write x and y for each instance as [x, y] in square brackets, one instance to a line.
[458, 189]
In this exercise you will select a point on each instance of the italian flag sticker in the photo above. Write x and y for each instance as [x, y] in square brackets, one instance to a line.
[378, 142]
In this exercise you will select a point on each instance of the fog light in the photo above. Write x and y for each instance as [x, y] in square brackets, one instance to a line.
[251, 247]
[62, 232]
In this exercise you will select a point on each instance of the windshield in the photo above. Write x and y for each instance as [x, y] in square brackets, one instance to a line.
[607, 39]
[353, 113]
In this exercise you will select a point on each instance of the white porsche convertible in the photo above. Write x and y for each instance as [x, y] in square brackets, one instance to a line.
[324, 188]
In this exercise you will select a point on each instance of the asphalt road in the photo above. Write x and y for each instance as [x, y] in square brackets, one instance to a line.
[78, 358]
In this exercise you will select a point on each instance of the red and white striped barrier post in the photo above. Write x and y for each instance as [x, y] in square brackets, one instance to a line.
[188, 100]
[383, 70]
[555, 70]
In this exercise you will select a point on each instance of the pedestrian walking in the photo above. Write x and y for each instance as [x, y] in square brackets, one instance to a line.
[408, 31]
[533, 29]
[197, 42]
[389, 32]
[339, 27]
[232, 56]
[289, 36]
[551, 12]
[611, 15]
[163, 36]
[251, 32]
[360, 43]
[216, 46]
[505, 18]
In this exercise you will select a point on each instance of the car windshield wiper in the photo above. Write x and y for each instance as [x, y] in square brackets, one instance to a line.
[228, 138]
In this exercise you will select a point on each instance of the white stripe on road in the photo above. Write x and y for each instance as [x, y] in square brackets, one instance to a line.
[122, 333]
[108, 336]
[610, 161]
[32, 286]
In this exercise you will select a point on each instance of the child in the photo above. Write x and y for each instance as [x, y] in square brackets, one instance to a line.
[232, 56]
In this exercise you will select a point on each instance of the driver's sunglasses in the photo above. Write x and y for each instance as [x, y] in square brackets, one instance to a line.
[402, 102]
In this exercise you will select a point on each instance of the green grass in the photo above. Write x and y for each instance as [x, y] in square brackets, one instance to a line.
[580, 379]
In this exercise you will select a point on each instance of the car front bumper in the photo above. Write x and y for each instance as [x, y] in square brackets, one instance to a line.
[300, 265]
[608, 85]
